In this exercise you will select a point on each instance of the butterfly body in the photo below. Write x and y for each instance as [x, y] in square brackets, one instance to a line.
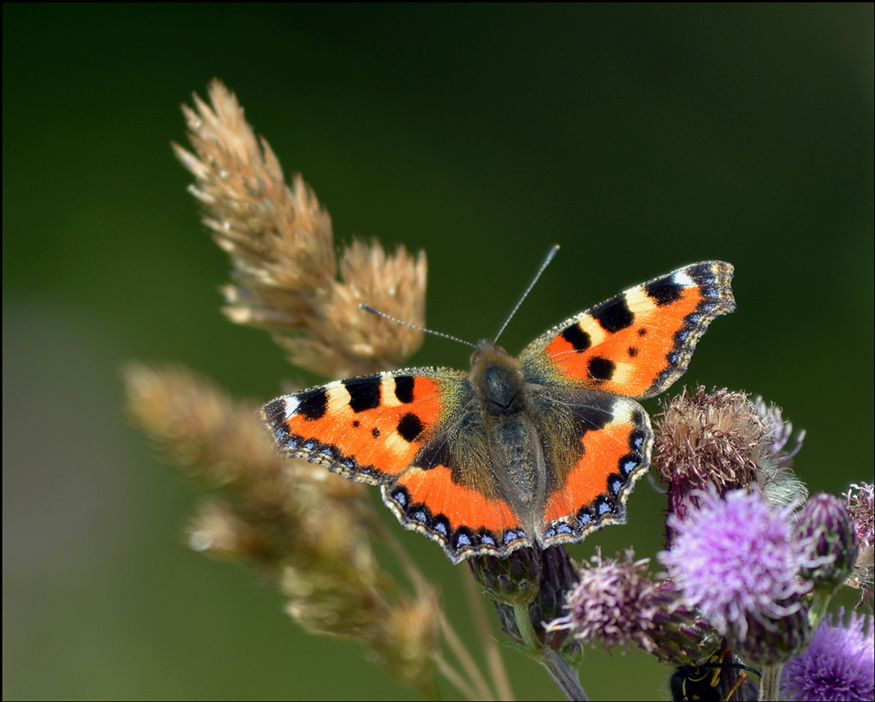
[539, 449]
[501, 430]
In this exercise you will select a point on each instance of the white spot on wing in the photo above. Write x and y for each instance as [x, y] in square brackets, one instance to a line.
[337, 393]
[623, 373]
[638, 301]
[387, 391]
[622, 412]
[681, 278]
[394, 444]
[291, 406]
[596, 333]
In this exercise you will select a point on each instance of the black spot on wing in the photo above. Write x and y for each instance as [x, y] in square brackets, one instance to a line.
[601, 368]
[312, 404]
[613, 315]
[364, 392]
[663, 291]
[578, 338]
[404, 388]
[410, 427]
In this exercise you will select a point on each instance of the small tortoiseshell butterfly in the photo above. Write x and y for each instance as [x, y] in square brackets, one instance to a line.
[541, 449]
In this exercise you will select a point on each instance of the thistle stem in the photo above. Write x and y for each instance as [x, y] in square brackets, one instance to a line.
[818, 608]
[562, 673]
[770, 685]
[524, 624]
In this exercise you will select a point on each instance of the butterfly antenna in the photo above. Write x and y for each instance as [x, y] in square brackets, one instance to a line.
[368, 308]
[546, 262]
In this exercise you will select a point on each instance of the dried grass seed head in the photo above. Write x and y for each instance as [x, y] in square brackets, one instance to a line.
[281, 244]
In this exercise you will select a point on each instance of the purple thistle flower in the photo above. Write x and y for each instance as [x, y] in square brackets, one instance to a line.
[825, 522]
[736, 559]
[723, 441]
[615, 602]
[599, 605]
[838, 665]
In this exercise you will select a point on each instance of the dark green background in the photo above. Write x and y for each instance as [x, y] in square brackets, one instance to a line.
[640, 138]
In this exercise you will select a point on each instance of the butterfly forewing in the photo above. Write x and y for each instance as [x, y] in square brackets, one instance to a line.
[369, 428]
[639, 342]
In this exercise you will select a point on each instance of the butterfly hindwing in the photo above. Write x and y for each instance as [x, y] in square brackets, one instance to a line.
[461, 519]
[590, 490]
[639, 342]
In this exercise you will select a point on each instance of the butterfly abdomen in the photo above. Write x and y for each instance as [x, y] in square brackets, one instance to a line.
[518, 465]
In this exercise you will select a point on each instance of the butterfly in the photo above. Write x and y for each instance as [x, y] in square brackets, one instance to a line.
[536, 450]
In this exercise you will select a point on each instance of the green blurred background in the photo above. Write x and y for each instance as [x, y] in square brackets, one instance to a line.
[640, 138]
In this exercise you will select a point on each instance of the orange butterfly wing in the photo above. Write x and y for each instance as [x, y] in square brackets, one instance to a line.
[592, 492]
[639, 342]
[634, 345]
[367, 428]
[390, 429]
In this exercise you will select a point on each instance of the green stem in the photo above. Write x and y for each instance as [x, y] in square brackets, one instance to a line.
[524, 624]
[817, 611]
[770, 685]
[562, 673]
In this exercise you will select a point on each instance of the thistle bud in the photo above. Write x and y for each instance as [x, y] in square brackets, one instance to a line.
[826, 525]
